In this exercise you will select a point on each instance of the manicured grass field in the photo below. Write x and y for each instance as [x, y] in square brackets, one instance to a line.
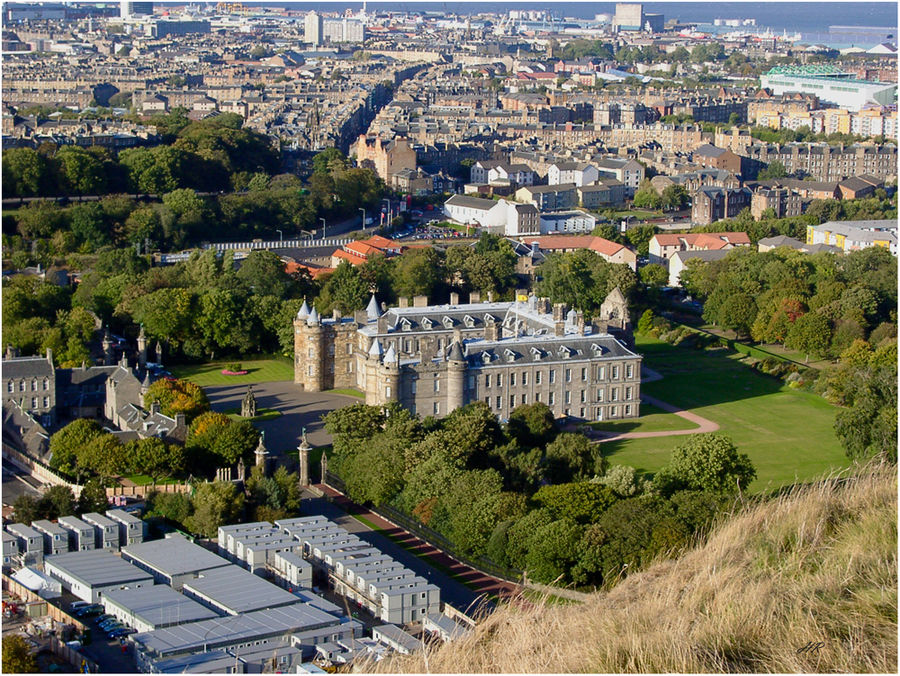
[261, 414]
[787, 433]
[144, 480]
[652, 420]
[261, 371]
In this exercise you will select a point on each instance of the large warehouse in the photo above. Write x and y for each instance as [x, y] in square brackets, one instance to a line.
[92, 573]
[830, 85]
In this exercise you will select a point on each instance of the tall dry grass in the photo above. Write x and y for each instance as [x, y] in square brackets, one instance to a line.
[818, 564]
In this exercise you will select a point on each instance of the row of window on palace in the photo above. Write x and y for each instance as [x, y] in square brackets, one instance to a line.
[23, 385]
[496, 404]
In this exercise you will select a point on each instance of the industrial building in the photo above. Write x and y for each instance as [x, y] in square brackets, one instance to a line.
[297, 625]
[30, 542]
[106, 531]
[362, 573]
[56, 538]
[154, 607]
[173, 560]
[234, 591]
[81, 534]
[90, 574]
[830, 84]
[131, 528]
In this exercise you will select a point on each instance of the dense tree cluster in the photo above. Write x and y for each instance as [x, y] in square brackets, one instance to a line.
[582, 279]
[526, 495]
[817, 304]
[213, 154]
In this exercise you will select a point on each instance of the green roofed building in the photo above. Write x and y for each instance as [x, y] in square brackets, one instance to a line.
[829, 84]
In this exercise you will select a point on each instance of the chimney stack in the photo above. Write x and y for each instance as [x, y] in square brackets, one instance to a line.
[454, 298]
[474, 297]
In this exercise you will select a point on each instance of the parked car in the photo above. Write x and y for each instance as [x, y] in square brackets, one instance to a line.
[78, 605]
[123, 631]
[106, 625]
[87, 611]
[104, 617]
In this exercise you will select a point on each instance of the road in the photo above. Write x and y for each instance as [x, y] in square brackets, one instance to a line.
[16, 482]
[298, 410]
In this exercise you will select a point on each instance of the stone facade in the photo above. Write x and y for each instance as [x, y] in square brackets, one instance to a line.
[433, 359]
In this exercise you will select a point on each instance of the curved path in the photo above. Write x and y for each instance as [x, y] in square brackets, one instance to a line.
[703, 424]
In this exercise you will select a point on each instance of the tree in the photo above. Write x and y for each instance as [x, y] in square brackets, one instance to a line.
[344, 290]
[178, 396]
[26, 509]
[215, 504]
[215, 438]
[82, 171]
[674, 197]
[707, 462]
[867, 427]
[571, 457]
[17, 656]
[639, 237]
[264, 274]
[155, 458]
[646, 196]
[773, 170]
[66, 444]
[532, 424]
[57, 501]
[103, 456]
[582, 501]
[553, 551]
[93, 497]
[26, 173]
[810, 334]
[623, 481]
[654, 275]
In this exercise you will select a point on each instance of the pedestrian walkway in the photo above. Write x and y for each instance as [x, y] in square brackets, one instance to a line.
[703, 424]
[480, 582]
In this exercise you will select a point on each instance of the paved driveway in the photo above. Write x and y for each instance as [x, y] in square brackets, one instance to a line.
[298, 410]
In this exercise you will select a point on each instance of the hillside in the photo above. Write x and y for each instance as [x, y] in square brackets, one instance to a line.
[818, 564]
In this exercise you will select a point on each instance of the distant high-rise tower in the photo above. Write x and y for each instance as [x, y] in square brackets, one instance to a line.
[132, 9]
[312, 29]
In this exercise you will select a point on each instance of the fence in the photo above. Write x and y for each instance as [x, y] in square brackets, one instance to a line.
[304, 243]
[142, 491]
[432, 537]
[743, 348]
[38, 469]
[72, 656]
[24, 593]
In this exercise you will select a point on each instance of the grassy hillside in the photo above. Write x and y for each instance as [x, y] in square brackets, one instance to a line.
[818, 564]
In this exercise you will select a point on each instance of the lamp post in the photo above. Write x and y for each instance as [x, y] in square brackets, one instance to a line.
[364, 217]
[323, 227]
[388, 209]
[280, 235]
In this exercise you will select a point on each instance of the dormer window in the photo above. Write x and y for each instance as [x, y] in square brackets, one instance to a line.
[597, 349]
[427, 323]
[565, 352]
[490, 320]
[537, 354]
[510, 355]
[447, 322]
[469, 321]
[405, 324]
[486, 357]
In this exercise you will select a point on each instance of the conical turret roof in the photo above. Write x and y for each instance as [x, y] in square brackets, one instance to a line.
[303, 313]
[456, 352]
[390, 357]
[376, 350]
[373, 311]
[313, 318]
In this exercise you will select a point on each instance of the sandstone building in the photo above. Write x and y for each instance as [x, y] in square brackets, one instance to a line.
[434, 359]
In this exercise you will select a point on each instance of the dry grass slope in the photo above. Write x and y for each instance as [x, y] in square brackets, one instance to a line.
[817, 564]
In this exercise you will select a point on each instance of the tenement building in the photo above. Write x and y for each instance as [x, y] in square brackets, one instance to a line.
[433, 359]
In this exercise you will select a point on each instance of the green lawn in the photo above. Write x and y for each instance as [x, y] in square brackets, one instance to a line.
[261, 414]
[260, 371]
[652, 420]
[641, 214]
[787, 433]
[144, 480]
[348, 391]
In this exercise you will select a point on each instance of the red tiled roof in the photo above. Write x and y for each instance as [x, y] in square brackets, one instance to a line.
[598, 244]
[707, 240]
[353, 259]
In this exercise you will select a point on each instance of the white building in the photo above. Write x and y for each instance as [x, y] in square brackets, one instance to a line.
[829, 84]
[630, 172]
[90, 574]
[343, 30]
[579, 173]
[312, 29]
[567, 222]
